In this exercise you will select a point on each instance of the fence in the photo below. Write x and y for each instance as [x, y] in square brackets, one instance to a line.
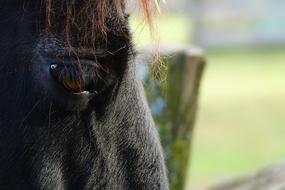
[173, 101]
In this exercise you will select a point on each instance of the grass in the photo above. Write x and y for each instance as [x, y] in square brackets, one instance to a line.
[240, 127]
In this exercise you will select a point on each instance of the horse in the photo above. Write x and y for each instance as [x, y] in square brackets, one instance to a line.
[73, 114]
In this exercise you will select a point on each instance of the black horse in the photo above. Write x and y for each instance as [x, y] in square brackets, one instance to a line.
[73, 113]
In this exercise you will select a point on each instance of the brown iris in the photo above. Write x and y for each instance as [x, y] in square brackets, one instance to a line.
[69, 75]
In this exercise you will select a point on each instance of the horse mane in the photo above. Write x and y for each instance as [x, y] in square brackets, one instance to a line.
[92, 17]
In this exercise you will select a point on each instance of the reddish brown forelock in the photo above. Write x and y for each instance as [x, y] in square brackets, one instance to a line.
[48, 16]
[93, 11]
[87, 23]
[101, 14]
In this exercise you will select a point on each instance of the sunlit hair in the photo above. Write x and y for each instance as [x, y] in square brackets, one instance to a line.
[92, 18]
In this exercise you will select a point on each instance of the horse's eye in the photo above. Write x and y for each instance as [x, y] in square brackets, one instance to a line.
[69, 75]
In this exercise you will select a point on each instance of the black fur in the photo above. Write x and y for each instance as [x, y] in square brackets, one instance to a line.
[52, 138]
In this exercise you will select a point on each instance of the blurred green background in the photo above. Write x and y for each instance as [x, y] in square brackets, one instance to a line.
[240, 125]
[241, 117]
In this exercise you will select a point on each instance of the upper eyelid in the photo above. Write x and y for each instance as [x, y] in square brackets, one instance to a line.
[52, 46]
[87, 53]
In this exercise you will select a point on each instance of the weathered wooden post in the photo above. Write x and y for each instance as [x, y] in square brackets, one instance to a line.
[173, 102]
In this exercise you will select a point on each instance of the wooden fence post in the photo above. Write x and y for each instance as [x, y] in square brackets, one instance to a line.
[173, 102]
